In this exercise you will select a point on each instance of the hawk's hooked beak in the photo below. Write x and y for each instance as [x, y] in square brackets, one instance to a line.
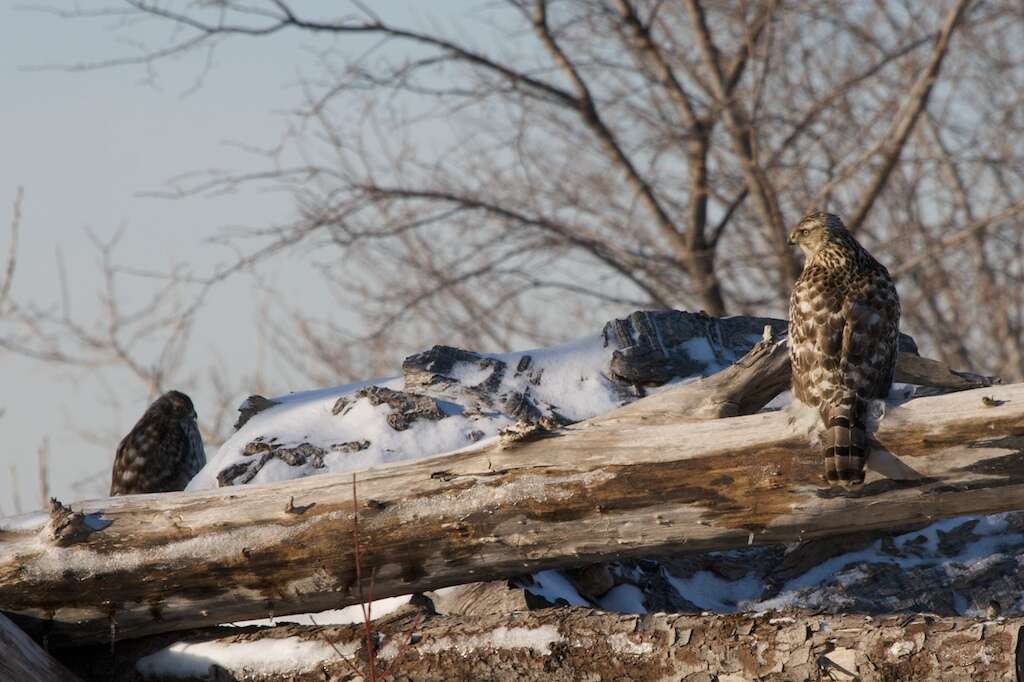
[792, 239]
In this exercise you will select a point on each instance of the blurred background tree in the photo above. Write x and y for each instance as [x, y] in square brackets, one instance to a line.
[543, 166]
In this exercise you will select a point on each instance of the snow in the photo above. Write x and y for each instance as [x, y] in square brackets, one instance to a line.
[778, 402]
[699, 350]
[573, 378]
[960, 603]
[25, 522]
[538, 639]
[569, 379]
[709, 592]
[901, 648]
[345, 616]
[809, 590]
[556, 589]
[622, 643]
[285, 656]
[624, 599]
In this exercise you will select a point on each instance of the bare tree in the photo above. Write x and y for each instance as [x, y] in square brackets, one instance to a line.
[551, 163]
[138, 341]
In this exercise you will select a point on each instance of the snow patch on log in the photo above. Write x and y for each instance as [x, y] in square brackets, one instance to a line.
[538, 639]
[286, 656]
[346, 616]
[480, 394]
[24, 522]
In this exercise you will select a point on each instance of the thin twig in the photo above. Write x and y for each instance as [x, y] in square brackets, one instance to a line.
[5, 283]
[43, 459]
[15, 495]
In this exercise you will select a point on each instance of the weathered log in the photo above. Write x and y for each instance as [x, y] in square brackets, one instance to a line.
[914, 369]
[601, 490]
[750, 383]
[573, 644]
[742, 388]
[654, 347]
[22, 660]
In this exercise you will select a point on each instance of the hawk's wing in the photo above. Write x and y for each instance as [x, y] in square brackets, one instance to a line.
[866, 354]
[158, 455]
[869, 337]
[815, 338]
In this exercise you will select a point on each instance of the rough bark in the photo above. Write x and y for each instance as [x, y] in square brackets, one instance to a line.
[22, 660]
[574, 644]
[635, 482]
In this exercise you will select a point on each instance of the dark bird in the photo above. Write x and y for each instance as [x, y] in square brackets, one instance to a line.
[162, 452]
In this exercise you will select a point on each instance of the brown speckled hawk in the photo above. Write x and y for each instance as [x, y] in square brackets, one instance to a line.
[844, 319]
[162, 452]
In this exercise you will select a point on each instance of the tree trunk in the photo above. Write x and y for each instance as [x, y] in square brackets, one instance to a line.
[635, 482]
[580, 644]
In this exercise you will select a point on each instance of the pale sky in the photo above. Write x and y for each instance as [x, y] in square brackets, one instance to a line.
[84, 145]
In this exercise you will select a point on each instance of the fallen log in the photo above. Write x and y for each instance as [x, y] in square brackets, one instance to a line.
[573, 644]
[23, 660]
[601, 490]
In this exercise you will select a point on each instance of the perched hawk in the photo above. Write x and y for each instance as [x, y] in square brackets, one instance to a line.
[162, 452]
[844, 318]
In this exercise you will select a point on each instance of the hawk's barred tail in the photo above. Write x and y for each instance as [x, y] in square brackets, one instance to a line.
[844, 447]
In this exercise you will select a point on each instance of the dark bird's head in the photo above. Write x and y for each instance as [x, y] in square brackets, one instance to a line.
[176, 403]
[816, 229]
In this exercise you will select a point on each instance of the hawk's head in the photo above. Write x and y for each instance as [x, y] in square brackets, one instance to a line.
[814, 230]
[177, 404]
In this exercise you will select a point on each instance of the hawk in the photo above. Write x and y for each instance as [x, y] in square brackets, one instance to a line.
[162, 452]
[844, 319]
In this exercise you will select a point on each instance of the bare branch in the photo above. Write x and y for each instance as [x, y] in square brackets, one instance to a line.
[903, 125]
[12, 252]
[953, 240]
[742, 133]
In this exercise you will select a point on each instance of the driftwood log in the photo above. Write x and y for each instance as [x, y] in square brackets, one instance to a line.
[578, 644]
[635, 482]
[22, 660]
